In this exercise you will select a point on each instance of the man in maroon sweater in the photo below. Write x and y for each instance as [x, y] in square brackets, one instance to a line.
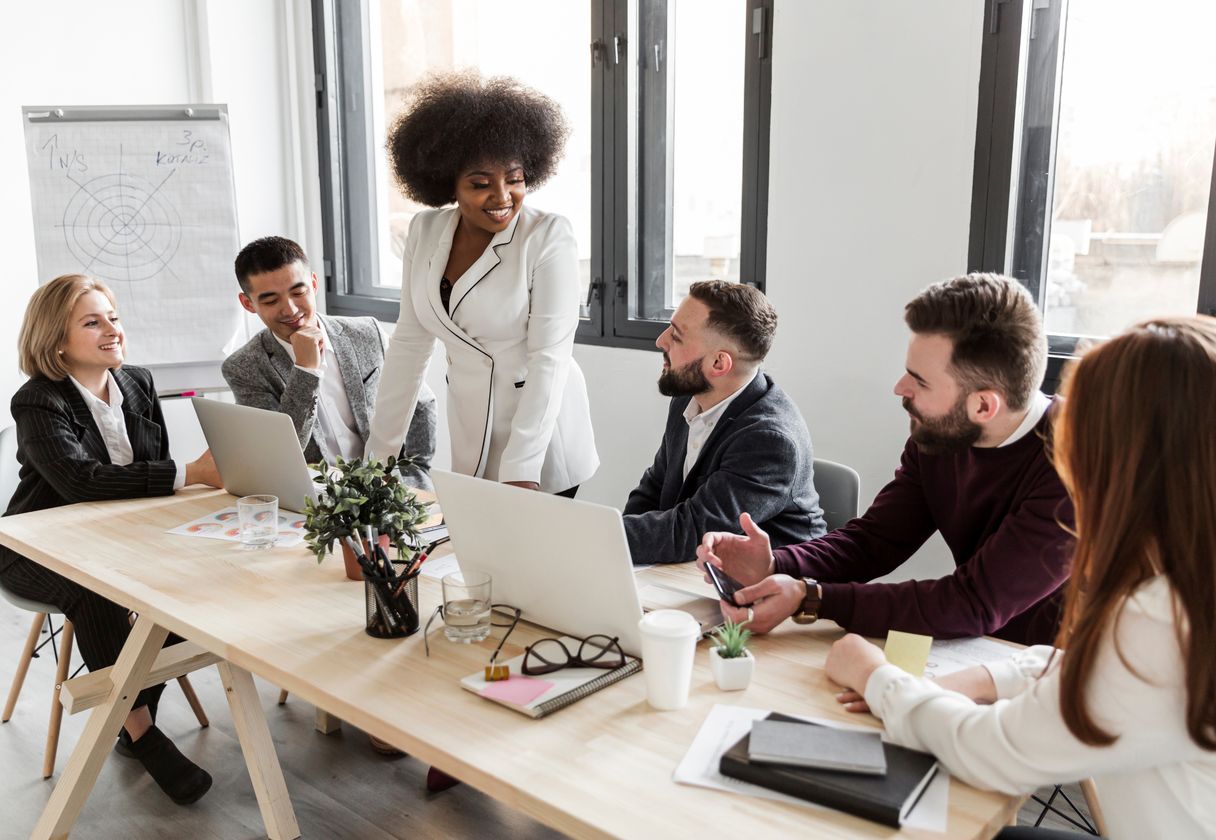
[976, 468]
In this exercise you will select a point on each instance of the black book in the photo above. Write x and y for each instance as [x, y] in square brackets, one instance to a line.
[883, 799]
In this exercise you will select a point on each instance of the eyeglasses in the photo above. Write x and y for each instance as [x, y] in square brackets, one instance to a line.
[549, 655]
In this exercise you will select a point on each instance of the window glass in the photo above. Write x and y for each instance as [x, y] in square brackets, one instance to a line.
[1137, 124]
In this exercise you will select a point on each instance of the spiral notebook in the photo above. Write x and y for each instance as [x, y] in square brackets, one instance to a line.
[540, 696]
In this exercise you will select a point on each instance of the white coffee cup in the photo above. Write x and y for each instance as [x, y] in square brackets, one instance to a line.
[669, 641]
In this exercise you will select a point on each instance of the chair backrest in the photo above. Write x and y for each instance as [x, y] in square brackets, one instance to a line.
[839, 489]
[8, 465]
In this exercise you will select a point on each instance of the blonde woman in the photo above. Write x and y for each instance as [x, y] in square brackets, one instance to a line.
[88, 429]
[1129, 697]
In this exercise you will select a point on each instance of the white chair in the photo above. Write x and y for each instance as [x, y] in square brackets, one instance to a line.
[839, 489]
[43, 616]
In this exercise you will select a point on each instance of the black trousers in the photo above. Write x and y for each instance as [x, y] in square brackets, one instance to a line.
[101, 626]
[569, 494]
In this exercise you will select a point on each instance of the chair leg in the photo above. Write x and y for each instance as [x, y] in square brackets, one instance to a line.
[192, 699]
[1090, 791]
[23, 665]
[282, 696]
[61, 674]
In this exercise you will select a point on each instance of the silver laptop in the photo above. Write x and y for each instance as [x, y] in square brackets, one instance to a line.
[565, 563]
[256, 452]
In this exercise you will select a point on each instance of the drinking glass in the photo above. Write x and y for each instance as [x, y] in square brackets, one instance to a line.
[466, 606]
[259, 521]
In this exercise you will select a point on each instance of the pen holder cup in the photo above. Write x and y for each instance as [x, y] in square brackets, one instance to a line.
[391, 610]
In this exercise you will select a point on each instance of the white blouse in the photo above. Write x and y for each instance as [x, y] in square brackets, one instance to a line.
[1153, 781]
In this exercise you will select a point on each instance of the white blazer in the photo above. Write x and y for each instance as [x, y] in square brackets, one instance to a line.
[517, 401]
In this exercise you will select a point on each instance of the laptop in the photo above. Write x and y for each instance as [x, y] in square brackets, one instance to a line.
[256, 451]
[565, 563]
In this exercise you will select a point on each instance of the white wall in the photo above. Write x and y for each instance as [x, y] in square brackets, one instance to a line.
[873, 127]
[132, 52]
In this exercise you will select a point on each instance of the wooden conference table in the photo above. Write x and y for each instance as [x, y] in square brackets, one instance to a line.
[601, 767]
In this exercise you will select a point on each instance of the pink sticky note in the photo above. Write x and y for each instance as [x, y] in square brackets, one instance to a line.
[518, 690]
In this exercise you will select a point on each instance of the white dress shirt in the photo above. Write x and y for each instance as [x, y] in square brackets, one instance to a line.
[113, 427]
[1153, 781]
[1039, 404]
[335, 419]
[701, 425]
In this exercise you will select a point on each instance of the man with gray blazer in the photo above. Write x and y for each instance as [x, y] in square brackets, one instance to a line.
[734, 440]
[321, 371]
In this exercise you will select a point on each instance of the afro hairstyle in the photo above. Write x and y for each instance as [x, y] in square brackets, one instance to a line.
[455, 120]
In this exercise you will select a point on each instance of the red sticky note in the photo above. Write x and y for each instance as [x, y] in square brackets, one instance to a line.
[518, 689]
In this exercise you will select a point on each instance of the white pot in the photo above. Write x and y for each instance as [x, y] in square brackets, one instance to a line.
[732, 674]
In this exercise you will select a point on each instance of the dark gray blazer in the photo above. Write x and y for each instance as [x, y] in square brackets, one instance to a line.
[757, 459]
[261, 374]
[63, 456]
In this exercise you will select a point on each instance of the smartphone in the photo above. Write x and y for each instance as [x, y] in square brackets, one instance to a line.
[726, 585]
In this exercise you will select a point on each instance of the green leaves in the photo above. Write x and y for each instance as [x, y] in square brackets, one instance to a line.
[732, 639]
[360, 492]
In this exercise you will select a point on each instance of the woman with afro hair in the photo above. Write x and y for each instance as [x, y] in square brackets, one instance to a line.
[494, 279]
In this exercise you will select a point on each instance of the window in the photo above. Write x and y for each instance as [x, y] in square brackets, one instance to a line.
[1093, 166]
[665, 175]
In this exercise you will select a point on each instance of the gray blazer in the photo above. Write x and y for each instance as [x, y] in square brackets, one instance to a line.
[261, 374]
[757, 459]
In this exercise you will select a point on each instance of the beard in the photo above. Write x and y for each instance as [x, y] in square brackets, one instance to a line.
[951, 432]
[688, 381]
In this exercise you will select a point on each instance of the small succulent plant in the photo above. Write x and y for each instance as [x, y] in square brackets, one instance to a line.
[732, 639]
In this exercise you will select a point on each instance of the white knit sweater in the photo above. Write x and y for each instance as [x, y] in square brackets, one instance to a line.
[1154, 781]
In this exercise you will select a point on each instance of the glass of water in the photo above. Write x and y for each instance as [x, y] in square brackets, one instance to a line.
[466, 606]
[259, 521]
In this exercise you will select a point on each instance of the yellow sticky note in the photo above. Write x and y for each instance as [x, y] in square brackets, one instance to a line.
[909, 651]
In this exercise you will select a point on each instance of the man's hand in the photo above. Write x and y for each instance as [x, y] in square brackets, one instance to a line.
[307, 343]
[203, 471]
[767, 603]
[850, 663]
[748, 558]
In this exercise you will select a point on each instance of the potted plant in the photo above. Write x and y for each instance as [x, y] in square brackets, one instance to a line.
[730, 661]
[354, 494]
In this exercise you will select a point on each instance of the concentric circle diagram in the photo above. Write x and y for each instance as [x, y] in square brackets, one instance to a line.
[120, 228]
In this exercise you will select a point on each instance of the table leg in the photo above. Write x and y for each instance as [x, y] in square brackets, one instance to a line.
[260, 758]
[130, 671]
[325, 723]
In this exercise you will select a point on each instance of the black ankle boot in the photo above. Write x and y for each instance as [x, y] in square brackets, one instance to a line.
[179, 777]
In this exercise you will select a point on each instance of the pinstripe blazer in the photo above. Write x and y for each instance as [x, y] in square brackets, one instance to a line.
[63, 457]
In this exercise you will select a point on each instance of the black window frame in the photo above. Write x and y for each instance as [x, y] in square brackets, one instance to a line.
[1021, 38]
[347, 167]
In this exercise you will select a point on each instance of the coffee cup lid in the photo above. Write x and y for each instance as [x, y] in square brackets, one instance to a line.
[674, 624]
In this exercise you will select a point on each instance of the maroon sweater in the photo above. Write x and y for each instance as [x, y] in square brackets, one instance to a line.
[998, 509]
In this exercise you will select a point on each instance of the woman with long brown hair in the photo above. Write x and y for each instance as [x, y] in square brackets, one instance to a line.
[1129, 697]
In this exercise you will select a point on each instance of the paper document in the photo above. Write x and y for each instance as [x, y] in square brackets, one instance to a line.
[439, 567]
[909, 651]
[725, 725]
[950, 655]
[224, 525]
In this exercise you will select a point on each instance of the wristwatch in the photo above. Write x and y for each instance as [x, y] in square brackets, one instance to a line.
[808, 610]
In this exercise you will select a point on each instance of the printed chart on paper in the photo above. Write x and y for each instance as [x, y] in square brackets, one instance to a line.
[147, 206]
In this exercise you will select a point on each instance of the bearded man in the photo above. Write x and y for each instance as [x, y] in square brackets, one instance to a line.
[976, 468]
[734, 440]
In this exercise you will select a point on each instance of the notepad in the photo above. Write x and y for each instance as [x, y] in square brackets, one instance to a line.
[909, 651]
[800, 745]
[540, 696]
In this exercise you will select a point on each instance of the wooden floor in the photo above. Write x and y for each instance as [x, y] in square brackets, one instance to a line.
[340, 788]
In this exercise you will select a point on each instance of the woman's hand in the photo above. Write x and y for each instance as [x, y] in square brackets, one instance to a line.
[203, 471]
[527, 485]
[850, 663]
